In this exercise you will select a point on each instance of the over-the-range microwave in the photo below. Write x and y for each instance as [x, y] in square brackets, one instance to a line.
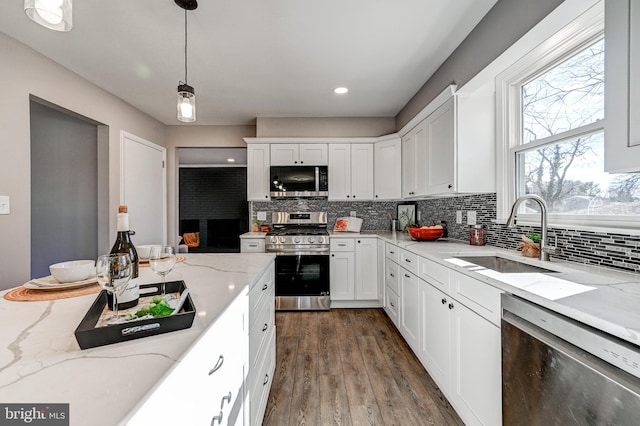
[299, 181]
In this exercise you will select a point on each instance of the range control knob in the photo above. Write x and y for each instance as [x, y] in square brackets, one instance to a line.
[311, 240]
[274, 239]
[281, 240]
[297, 240]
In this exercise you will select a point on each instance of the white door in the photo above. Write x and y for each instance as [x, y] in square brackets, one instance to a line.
[366, 280]
[340, 172]
[143, 188]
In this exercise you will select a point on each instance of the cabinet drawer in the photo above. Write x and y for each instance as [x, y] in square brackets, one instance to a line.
[342, 244]
[477, 296]
[392, 279]
[434, 273]
[261, 328]
[252, 245]
[392, 305]
[263, 288]
[261, 376]
[392, 252]
[409, 261]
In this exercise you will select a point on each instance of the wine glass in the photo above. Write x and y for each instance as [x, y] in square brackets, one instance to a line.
[162, 259]
[113, 272]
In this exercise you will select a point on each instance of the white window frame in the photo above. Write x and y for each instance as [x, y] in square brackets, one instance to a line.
[580, 33]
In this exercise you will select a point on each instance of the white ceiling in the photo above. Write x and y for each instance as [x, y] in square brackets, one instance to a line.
[260, 58]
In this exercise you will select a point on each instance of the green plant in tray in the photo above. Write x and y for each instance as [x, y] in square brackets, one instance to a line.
[534, 237]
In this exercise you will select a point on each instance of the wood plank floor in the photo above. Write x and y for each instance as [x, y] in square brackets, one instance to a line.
[350, 367]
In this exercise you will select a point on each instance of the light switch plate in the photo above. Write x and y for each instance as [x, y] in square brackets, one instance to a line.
[262, 215]
[459, 217]
[353, 214]
[5, 207]
[471, 217]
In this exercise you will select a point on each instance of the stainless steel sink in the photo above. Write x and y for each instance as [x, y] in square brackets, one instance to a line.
[501, 264]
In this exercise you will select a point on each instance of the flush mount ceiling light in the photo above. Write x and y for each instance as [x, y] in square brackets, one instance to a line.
[340, 90]
[186, 94]
[52, 14]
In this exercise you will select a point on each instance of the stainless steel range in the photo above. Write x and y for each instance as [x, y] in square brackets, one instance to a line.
[300, 241]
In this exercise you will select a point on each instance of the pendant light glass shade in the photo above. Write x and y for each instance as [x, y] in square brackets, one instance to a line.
[186, 103]
[53, 14]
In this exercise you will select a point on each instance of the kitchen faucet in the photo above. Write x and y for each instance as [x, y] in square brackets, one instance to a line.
[544, 250]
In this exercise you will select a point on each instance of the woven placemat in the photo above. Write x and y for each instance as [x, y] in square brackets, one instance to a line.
[21, 294]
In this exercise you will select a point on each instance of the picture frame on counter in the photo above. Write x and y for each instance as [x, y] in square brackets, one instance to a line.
[406, 215]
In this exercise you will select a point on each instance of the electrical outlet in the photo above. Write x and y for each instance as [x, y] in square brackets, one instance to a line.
[353, 214]
[4, 204]
[471, 217]
[262, 215]
[459, 217]
[419, 217]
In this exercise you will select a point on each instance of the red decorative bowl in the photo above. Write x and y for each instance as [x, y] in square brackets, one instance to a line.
[425, 234]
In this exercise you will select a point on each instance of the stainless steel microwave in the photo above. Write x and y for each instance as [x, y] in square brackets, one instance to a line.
[299, 181]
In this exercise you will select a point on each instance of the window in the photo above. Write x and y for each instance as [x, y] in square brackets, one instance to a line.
[553, 116]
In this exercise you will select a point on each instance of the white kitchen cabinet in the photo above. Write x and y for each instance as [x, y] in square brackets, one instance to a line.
[461, 146]
[258, 180]
[380, 264]
[392, 283]
[351, 172]
[409, 311]
[388, 170]
[435, 333]
[291, 154]
[252, 245]
[414, 162]
[366, 275]
[622, 86]
[342, 275]
[208, 382]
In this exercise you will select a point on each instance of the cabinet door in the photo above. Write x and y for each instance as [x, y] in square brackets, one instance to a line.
[380, 262]
[410, 308]
[339, 172]
[622, 89]
[408, 165]
[284, 154]
[435, 334]
[313, 154]
[362, 171]
[258, 172]
[421, 155]
[342, 275]
[366, 277]
[440, 156]
[476, 378]
[388, 170]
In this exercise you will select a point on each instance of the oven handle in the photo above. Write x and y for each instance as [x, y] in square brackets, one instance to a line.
[320, 252]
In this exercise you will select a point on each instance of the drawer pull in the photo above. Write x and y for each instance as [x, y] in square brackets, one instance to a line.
[264, 287]
[450, 305]
[342, 244]
[225, 398]
[253, 245]
[266, 380]
[218, 418]
[217, 366]
[392, 275]
[392, 252]
[407, 276]
[408, 260]
[264, 328]
[392, 304]
[444, 301]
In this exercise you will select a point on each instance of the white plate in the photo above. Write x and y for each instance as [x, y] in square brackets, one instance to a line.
[50, 283]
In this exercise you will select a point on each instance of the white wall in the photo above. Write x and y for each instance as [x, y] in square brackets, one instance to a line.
[24, 73]
[324, 126]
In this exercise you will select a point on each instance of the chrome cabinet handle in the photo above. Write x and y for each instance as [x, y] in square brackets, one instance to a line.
[217, 366]
[264, 287]
[227, 398]
[265, 327]
[266, 379]
[218, 418]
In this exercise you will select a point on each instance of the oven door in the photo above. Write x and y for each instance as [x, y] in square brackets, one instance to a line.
[302, 274]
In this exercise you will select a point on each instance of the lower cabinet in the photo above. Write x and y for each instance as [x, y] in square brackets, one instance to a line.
[352, 272]
[410, 308]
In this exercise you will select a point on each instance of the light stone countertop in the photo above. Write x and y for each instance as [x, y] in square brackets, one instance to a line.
[41, 361]
[253, 235]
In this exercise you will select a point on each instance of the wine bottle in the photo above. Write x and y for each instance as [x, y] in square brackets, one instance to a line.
[123, 245]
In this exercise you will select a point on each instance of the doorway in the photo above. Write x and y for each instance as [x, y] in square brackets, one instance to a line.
[64, 188]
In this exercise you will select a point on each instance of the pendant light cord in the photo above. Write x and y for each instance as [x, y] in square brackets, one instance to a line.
[186, 81]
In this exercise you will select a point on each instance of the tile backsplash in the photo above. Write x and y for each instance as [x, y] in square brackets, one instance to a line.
[613, 250]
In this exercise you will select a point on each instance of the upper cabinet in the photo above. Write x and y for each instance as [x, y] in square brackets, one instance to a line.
[258, 172]
[291, 154]
[622, 88]
[388, 170]
[351, 172]
[452, 150]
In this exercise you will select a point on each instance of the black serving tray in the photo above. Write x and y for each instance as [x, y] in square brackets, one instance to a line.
[90, 336]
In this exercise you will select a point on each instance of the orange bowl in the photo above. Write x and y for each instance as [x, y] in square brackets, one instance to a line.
[425, 234]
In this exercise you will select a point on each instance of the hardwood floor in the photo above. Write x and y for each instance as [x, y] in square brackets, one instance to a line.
[350, 367]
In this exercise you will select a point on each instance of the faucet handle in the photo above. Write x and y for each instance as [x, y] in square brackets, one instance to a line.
[551, 250]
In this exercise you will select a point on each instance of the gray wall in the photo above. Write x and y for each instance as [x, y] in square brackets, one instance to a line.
[324, 127]
[505, 23]
[64, 189]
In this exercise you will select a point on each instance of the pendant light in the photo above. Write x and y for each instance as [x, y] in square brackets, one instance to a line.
[52, 14]
[186, 94]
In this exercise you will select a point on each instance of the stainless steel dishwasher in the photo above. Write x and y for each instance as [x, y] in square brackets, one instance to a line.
[557, 371]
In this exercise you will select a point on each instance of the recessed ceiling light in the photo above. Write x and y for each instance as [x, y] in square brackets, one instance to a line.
[340, 90]
[231, 160]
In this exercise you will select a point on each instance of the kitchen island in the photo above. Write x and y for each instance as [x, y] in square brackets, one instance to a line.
[41, 361]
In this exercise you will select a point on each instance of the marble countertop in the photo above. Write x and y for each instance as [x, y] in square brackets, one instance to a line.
[612, 303]
[41, 361]
[253, 235]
